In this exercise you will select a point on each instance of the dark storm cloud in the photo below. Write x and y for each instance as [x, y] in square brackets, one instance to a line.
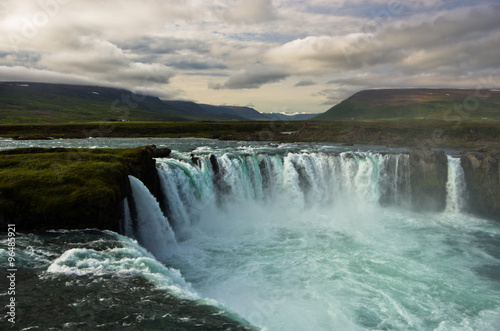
[307, 82]
[252, 78]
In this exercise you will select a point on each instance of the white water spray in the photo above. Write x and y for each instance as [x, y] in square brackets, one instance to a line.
[317, 240]
[153, 230]
[293, 180]
[455, 186]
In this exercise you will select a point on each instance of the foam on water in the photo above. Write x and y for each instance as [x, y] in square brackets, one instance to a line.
[126, 260]
[301, 241]
[299, 271]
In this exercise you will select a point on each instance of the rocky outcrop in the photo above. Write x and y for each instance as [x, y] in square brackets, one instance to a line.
[148, 173]
[482, 176]
[58, 188]
[428, 176]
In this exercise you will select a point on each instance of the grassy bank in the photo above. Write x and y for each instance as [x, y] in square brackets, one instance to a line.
[65, 188]
[417, 104]
[144, 129]
[477, 136]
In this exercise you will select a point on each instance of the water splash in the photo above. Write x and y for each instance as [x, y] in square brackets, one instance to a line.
[291, 180]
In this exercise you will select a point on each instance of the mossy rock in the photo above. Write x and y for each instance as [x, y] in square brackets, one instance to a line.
[60, 188]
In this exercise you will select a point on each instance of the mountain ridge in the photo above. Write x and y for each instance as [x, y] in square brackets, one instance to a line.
[417, 104]
[28, 102]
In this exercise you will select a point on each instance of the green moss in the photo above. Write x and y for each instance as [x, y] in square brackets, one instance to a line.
[64, 185]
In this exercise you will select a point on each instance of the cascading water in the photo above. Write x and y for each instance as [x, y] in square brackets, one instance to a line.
[297, 236]
[315, 240]
[455, 186]
[297, 180]
[127, 227]
[153, 230]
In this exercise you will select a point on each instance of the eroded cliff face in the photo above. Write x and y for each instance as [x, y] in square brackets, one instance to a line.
[482, 176]
[428, 176]
[145, 169]
[43, 189]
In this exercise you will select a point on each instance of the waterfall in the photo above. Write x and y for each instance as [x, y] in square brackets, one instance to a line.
[291, 180]
[278, 234]
[455, 186]
[187, 189]
[126, 224]
[153, 230]
[298, 181]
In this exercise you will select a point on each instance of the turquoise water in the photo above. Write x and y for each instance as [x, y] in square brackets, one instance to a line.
[286, 237]
[315, 249]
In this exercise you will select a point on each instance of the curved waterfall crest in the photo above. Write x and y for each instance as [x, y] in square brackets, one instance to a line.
[249, 229]
[292, 180]
[151, 227]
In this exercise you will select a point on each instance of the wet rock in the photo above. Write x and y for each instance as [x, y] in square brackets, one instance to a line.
[428, 177]
[482, 177]
[195, 160]
[157, 152]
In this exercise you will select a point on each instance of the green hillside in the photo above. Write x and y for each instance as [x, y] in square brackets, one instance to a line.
[59, 103]
[417, 104]
[50, 103]
[35, 103]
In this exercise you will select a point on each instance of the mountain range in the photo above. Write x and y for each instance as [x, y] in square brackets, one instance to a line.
[58, 103]
[27, 102]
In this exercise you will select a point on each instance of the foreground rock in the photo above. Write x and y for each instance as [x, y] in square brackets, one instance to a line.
[482, 176]
[428, 177]
[58, 188]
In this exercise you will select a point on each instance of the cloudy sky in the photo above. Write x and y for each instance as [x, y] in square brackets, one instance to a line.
[275, 55]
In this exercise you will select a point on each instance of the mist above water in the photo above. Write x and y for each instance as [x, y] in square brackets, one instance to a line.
[321, 241]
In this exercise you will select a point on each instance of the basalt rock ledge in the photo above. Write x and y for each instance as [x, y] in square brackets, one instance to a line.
[58, 188]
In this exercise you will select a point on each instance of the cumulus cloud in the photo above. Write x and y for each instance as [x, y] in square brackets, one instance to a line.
[338, 46]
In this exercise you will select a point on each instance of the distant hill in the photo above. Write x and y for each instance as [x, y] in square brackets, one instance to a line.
[285, 117]
[416, 104]
[59, 103]
[56, 103]
[245, 113]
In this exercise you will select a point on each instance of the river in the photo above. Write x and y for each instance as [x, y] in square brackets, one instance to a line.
[300, 236]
